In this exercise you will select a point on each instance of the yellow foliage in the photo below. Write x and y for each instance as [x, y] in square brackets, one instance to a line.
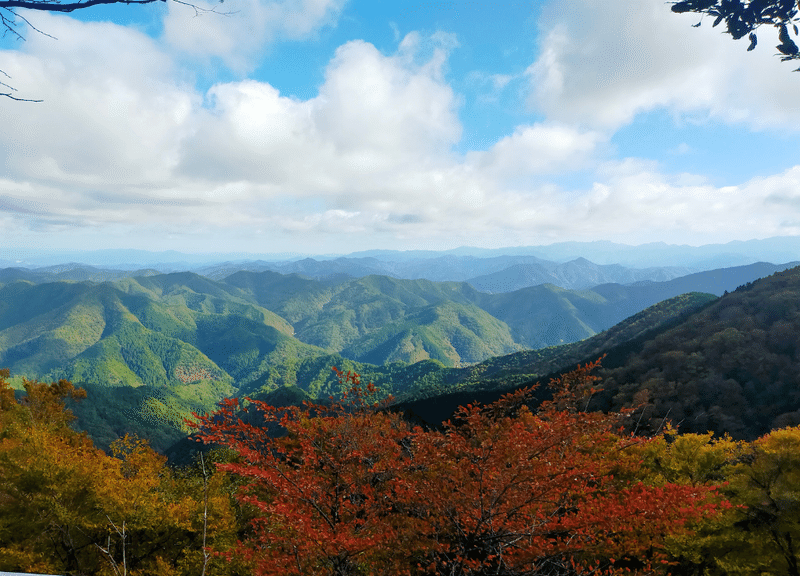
[760, 532]
[67, 507]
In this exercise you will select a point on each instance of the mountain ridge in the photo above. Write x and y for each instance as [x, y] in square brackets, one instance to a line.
[185, 340]
[661, 254]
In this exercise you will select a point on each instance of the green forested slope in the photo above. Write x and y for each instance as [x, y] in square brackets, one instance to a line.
[733, 367]
[378, 319]
[728, 365]
[547, 315]
[449, 332]
[183, 341]
[501, 374]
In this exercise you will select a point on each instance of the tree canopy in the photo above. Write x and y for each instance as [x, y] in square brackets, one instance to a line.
[349, 488]
[743, 17]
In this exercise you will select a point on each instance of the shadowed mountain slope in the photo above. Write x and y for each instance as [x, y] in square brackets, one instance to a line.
[733, 367]
[729, 365]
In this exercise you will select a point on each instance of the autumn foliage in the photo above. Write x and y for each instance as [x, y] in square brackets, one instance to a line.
[66, 507]
[352, 488]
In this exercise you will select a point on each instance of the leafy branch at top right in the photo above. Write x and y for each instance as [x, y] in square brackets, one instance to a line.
[743, 17]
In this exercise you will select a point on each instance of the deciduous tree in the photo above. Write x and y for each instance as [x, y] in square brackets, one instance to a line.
[502, 489]
[67, 507]
[743, 17]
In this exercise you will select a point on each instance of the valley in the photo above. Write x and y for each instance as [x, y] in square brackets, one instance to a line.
[153, 347]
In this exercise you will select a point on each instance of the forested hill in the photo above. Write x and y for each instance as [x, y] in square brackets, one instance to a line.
[170, 343]
[379, 319]
[731, 366]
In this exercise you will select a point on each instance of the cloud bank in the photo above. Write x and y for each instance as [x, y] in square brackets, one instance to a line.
[125, 148]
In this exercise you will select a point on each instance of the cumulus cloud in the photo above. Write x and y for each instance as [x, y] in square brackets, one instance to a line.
[375, 117]
[118, 140]
[644, 202]
[121, 148]
[244, 31]
[112, 112]
[543, 148]
[603, 62]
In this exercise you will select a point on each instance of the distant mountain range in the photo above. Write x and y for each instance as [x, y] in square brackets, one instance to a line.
[659, 254]
[499, 274]
[172, 343]
[496, 274]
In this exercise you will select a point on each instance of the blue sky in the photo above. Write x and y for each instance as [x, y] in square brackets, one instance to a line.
[324, 126]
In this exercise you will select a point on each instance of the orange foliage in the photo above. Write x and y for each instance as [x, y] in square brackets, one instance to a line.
[66, 507]
[352, 488]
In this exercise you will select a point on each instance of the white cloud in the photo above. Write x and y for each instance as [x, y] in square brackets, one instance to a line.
[375, 116]
[239, 32]
[120, 147]
[111, 112]
[543, 148]
[603, 62]
[390, 105]
[631, 199]
[118, 142]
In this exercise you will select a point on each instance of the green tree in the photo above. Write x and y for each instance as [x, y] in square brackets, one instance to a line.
[743, 17]
[760, 532]
[767, 485]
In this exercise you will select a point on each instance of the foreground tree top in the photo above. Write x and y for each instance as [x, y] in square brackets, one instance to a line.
[743, 17]
[10, 20]
[12, 23]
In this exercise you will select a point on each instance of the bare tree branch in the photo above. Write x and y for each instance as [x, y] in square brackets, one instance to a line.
[10, 21]
[14, 23]
[57, 6]
[10, 95]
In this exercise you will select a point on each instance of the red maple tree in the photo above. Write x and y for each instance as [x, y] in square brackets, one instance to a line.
[353, 488]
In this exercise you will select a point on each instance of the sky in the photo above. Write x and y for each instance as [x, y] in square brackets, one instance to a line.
[333, 126]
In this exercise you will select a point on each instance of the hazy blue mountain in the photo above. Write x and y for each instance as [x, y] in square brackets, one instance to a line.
[458, 264]
[495, 274]
[659, 254]
[69, 272]
[576, 274]
[12, 274]
[127, 259]
[778, 249]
